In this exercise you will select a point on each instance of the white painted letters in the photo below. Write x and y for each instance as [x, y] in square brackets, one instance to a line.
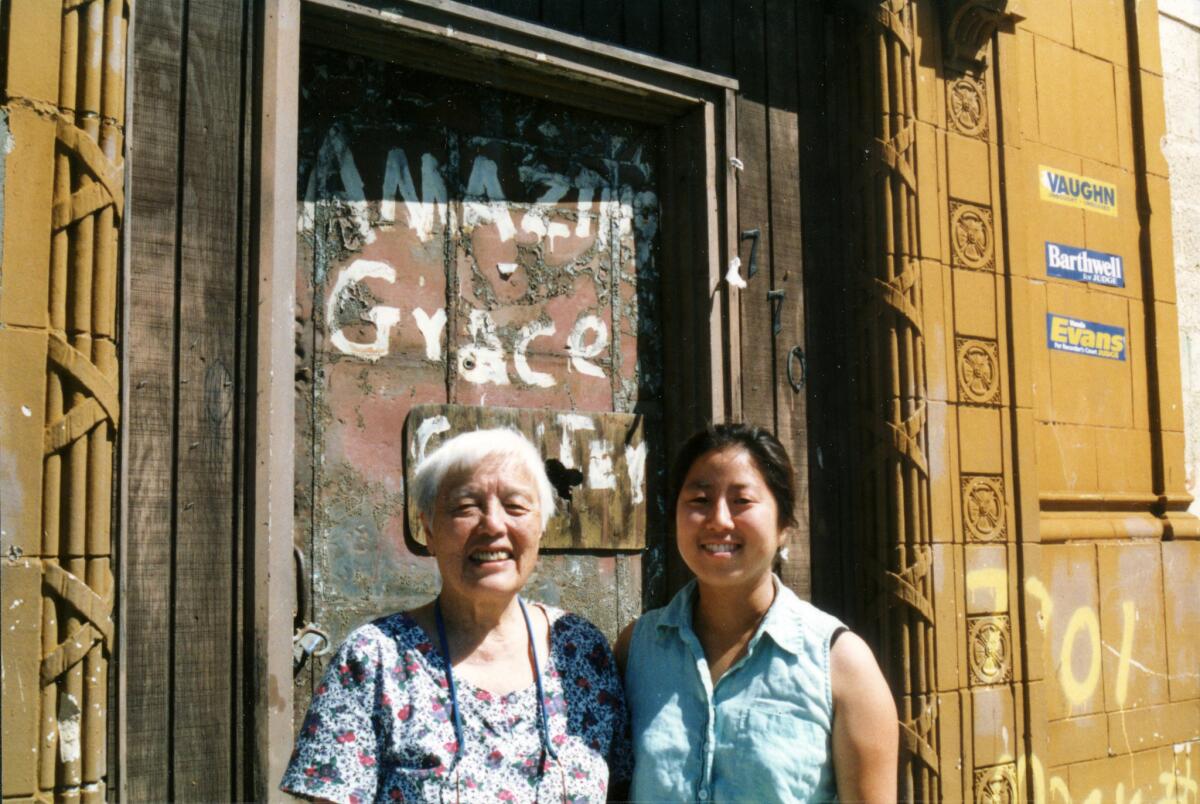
[482, 360]
[384, 318]
[534, 329]
[421, 210]
[427, 430]
[635, 463]
[600, 467]
[431, 327]
[485, 183]
[580, 353]
[571, 423]
[335, 152]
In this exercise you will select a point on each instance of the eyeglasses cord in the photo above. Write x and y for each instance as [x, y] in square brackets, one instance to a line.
[543, 720]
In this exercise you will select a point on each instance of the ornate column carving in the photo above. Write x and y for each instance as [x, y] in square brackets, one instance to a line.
[967, 28]
[78, 49]
[893, 521]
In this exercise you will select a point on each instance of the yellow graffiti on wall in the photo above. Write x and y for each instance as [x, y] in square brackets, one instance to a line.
[1084, 622]
[1080, 690]
[989, 579]
[1177, 786]
[1129, 614]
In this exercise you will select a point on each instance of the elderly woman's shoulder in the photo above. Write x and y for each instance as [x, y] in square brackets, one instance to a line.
[575, 632]
[563, 621]
[396, 631]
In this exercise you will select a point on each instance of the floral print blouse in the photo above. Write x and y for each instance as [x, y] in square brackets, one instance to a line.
[380, 727]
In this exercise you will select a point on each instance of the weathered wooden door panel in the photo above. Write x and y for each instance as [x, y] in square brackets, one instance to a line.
[465, 246]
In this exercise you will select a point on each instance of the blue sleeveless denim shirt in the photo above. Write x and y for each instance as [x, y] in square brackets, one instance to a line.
[762, 734]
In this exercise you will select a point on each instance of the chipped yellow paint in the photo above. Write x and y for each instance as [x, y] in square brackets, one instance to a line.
[993, 579]
[1129, 616]
[1038, 589]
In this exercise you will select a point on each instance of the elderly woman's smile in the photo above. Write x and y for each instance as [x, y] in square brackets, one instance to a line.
[490, 556]
[487, 524]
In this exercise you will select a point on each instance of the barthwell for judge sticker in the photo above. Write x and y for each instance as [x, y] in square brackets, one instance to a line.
[1084, 265]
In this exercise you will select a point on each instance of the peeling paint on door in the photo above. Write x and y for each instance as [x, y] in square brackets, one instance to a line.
[468, 247]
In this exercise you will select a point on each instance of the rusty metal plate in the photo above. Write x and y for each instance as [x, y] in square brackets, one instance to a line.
[600, 462]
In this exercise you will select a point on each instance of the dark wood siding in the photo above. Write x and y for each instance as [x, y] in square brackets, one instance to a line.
[768, 46]
[185, 358]
[186, 568]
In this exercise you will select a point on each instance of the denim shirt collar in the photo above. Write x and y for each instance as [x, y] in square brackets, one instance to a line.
[783, 621]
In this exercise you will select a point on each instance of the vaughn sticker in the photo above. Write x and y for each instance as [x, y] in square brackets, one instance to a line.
[1061, 187]
[1067, 334]
[1083, 265]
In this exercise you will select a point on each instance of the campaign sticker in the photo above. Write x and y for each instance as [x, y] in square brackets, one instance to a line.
[1072, 190]
[1082, 265]
[1067, 334]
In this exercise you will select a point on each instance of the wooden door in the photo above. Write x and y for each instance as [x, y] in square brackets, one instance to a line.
[489, 255]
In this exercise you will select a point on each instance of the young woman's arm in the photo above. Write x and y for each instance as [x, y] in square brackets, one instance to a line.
[866, 732]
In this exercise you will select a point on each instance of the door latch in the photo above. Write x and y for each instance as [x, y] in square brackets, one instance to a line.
[796, 354]
[310, 640]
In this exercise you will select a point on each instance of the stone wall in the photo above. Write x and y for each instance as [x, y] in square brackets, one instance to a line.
[1179, 30]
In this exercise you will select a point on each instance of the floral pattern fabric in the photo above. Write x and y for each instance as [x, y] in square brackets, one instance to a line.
[380, 725]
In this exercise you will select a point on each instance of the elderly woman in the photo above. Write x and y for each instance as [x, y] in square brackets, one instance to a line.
[477, 695]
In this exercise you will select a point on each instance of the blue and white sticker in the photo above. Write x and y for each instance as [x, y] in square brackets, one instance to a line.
[1083, 265]
[1081, 192]
[1067, 334]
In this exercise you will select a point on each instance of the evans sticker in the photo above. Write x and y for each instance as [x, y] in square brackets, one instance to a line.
[1067, 334]
[1061, 187]
[1083, 265]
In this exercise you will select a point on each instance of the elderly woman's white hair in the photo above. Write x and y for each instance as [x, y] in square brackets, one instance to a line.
[468, 450]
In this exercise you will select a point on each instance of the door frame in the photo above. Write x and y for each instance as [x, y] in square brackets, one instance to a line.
[694, 111]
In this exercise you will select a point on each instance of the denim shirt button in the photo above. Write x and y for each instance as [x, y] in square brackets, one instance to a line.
[703, 794]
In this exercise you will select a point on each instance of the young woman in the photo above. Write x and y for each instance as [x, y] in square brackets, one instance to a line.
[738, 690]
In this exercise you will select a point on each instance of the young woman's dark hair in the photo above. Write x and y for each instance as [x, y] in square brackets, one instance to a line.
[764, 448]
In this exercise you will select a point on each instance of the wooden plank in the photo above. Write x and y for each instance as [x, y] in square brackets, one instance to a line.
[523, 9]
[500, 41]
[715, 52]
[242, 749]
[691, 279]
[679, 35]
[711, 380]
[564, 15]
[149, 416]
[643, 25]
[602, 21]
[787, 274]
[676, 250]
[565, 80]
[274, 359]
[817, 116]
[732, 298]
[205, 638]
[715, 36]
[754, 212]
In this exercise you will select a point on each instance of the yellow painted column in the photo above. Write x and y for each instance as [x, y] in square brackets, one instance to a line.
[63, 132]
